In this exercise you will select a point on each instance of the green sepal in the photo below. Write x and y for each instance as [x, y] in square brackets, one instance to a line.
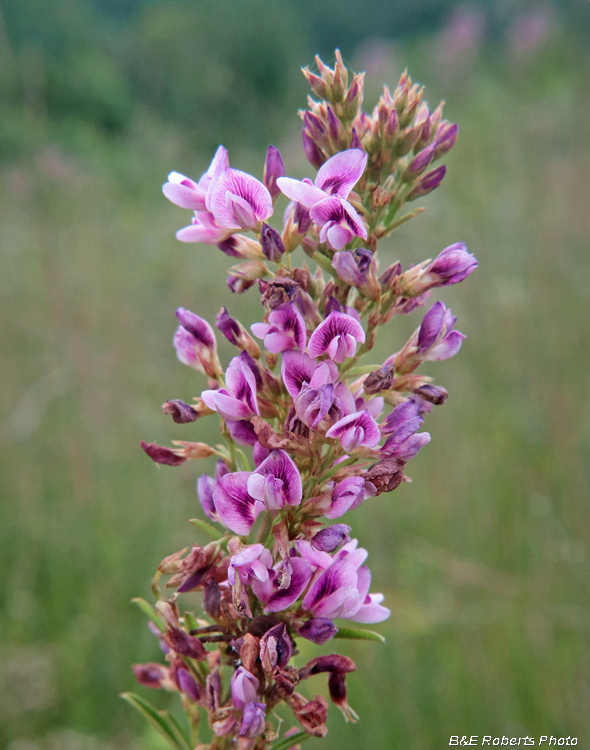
[288, 742]
[325, 263]
[206, 528]
[402, 220]
[147, 609]
[361, 370]
[162, 721]
[358, 634]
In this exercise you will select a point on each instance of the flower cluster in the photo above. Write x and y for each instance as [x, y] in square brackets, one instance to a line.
[310, 431]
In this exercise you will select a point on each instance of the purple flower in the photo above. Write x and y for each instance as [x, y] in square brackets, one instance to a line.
[331, 538]
[192, 352]
[354, 430]
[339, 221]
[406, 449]
[312, 405]
[237, 401]
[185, 193]
[205, 487]
[239, 201]
[180, 411]
[252, 562]
[336, 177]
[203, 228]
[244, 688]
[276, 481]
[346, 495]
[337, 336]
[273, 597]
[242, 432]
[253, 720]
[318, 629]
[403, 421]
[352, 267]
[300, 369]
[236, 508]
[285, 329]
[452, 265]
[436, 341]
[273, 169]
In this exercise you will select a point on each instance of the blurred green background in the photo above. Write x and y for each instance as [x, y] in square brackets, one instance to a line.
[484, 559]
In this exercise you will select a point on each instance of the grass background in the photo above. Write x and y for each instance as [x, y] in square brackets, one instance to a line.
[483, 558]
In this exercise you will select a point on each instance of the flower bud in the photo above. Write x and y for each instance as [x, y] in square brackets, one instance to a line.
[379, 380]
[419, 163]
[241, 246]
[272, 243]
[185, 644]
[180, 412]
[318, 85]
[318, 629]
[162, 455]
[253, 720]
[312, 151]
[188, 685]
[150, 675]
[331, 538]
[446, 139]
[428, 183]
[434, 394]
[273, 169]
[236, 334]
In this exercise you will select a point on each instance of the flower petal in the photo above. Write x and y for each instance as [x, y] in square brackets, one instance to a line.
[301, 192]
[341, 172]
[244, 186]
[236, 508]
[359, 419]
[336, 324]
[277, 599]
[296, 369]
[281, 466]
[447, 348]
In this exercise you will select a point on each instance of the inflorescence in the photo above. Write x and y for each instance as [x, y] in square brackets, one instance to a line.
[299, 396]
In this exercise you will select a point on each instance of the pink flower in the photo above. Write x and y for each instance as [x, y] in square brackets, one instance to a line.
[336, 336]
[185, 193]
[239, 201]
[285, 329]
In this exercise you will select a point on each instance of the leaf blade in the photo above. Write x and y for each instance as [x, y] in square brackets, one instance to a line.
[359, 634]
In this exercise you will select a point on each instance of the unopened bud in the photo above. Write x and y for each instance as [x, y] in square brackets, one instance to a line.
[180, 412]
[241, 246]
[273, 169]
[272, 243]
[331, 538]
[318, 85]
[312, 151]
[446, 139]
[379, 380]
[162, 455]
[419, 163]
[319, 630]
[428, 183]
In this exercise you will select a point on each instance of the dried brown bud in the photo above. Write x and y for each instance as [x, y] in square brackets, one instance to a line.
[379, 380]
[185, 644]
[386, 475]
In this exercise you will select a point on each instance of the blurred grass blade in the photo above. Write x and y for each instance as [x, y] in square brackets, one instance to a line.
[147, 608]
[288, 742]
[206, 528]
[403, 219]
[160, 720]
[358, 634]
[175, 726]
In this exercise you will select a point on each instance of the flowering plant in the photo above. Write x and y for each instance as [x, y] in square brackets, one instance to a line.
[306, 441]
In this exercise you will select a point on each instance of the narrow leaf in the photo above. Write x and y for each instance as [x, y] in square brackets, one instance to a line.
[358, 634]
[288, 742]
[176, 728]
[147, 608]
[325, 263]
[206, 528]
[156, 719]
[402, 220]
[243, 462]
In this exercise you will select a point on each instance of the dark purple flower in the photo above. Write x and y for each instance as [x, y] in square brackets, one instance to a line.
[244, 687]
[197, 327]
[236, 508]
[228, 326]
[318, 629]
[336, 336]
[272, 243]
[242, 432]
[237, 401]
[339, 220]
[434, 394]
[151, 675]
[352, 267]
[354, 430]
[302, 218]
[276, 481]
[251, 562]
[436, 341]
[274, 598]
[331, 538]
[403, 421]
[407, 449]
[299, 369]
[162, 455]
[180, 411]
[347, 495]
[312, 152]
[239, 201]
[188, 685]
[253, 720]
[285, 329]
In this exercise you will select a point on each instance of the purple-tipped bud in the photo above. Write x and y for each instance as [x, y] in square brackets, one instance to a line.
[228, 326]
[212, 598]
[390, 274]
[331, 538]
[312, 151]
[355, 141]
[162, 455]
[302, 218]
[185, 644]
[275, 648]
[272, 243]
[197, 327]
[253, 720]
[273, 169]
[180, 412]
[188, 685]
[150, 675]
[428, 183]
[446, 139]
[239, 286]
[318, 629]
[420, 162]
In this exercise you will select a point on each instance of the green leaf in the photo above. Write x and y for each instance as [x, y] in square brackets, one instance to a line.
[403, 219]
[206, 528]
[147, 608]
[261, 528]
[160, 720]
[361, 370]
[243, 462]
[358, 634]
[190, 621]
[288, 742]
